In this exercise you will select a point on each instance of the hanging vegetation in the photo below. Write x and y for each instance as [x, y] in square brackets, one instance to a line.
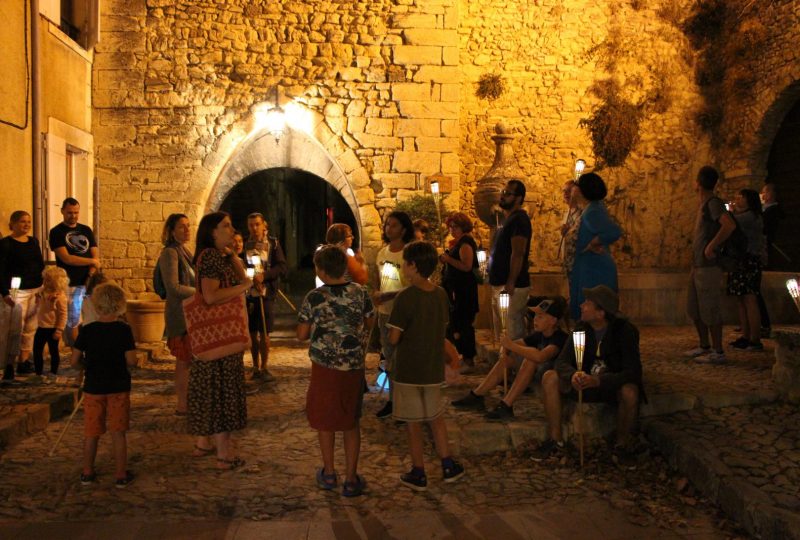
[490, 86]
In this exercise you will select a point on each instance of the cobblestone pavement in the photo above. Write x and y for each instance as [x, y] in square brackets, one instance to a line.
[281, 453]
[758, 443]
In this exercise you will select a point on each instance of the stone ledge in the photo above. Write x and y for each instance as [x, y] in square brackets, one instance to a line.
[28, 418]
[737, 498]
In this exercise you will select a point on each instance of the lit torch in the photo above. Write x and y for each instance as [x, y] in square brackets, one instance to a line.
[502, 305]
[579, 342]
[794, 291]
[15, 285]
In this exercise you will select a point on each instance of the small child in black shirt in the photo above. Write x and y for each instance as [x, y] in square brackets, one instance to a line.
[108, 349]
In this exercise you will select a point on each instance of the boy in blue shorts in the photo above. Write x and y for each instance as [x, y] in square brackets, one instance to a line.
[417, 326]
[334, 317]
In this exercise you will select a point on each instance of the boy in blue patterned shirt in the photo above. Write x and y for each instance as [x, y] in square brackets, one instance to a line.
[334, 317]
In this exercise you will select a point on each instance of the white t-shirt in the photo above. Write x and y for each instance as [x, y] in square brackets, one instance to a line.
[391, 276]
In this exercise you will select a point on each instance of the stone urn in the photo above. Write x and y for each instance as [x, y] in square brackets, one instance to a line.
[503, 169]
[146, 317]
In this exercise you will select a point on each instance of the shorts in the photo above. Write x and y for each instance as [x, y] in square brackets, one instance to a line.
[101, 410]
[334, 398]
[704, 298]
[180, 348]
[417, 402]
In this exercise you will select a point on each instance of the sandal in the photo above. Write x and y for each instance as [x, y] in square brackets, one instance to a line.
[326, 481]
[229, 464]
[199, 451]
[354, 489]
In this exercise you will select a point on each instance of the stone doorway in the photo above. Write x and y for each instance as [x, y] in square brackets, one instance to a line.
[299, 207]
[783, 169]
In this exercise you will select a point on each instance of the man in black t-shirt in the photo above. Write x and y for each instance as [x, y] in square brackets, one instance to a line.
[508, 264]
[77, 253]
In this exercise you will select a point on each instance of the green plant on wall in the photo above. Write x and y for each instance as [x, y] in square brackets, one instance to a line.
[490, 86]
[631, 90]
[421, 207]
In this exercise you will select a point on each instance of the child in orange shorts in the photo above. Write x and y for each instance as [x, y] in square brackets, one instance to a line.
[107, 349]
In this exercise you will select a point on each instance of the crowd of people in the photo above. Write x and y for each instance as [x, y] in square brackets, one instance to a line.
[421, 302]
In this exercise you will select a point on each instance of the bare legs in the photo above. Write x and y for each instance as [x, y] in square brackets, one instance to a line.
[352, 449]
[416, 442]
[627, 414]
[495, 377]
[120, 446]
[750, 317]
[259, 348]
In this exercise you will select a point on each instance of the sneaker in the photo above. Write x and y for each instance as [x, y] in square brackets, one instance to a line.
[452, 472]
[740, 343]
[266, 376]
[326, 481]
[712, 358]
[697, 351]
[354, 489]
[470, 401]
[415, 480]
[122, 483]
[385, 411]
[547, 449]
[755, 346]
[501, 412]
[88, 479]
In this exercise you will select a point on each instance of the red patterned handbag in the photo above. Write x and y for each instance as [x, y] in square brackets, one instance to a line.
[216, 330]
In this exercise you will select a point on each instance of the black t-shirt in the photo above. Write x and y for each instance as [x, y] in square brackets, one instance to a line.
[104, 345]
[538, 340]
[22, 259]
[516, 224]
[79, 241]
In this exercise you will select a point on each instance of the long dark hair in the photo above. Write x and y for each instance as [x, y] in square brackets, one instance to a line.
[405, 221]
[753, 200]
[205, 232]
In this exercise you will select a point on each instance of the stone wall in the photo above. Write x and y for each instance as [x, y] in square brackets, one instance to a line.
[390, 90]
[175, 83]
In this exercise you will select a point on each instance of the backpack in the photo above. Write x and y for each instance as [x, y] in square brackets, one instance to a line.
[158, 283]
[733, 250]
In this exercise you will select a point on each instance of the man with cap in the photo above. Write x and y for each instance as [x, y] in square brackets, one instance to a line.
[530, 357]
[612, 371]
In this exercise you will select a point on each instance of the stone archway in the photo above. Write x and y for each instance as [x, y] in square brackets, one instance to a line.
[243, 151]
[770, 125]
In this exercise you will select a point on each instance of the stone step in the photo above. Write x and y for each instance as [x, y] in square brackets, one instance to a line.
[18, 421]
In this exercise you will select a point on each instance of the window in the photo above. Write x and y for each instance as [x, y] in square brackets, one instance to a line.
[78, 19]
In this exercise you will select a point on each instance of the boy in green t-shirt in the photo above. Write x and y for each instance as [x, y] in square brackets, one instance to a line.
[417, 326]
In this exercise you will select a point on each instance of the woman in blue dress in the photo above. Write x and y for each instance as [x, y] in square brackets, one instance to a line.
[593, 264]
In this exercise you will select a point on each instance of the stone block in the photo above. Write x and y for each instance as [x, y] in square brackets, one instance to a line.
[667, 404]
[450, 92]
[426, 36]
[397, 181]
[422, 127]
[423, 162]
[484, 438]
[415, 20]
[378, 141]
[148, 211]
[417, 55]
[451, 164]
[522, 433]
[120, 230]
[437, 144]
[450, 128]
[441, 74]
[380, 126]
[12, 429]
[37, 416]
[412, 92]
[359, 178]
[450, 56]
[424, 109]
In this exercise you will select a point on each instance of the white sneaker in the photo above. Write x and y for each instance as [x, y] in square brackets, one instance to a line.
[712, 358]
[697, 351]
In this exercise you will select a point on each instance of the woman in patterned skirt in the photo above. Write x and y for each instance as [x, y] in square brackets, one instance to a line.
[217, 404]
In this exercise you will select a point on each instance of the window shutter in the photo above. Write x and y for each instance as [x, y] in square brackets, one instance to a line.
[52, 10]
[55, 170]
